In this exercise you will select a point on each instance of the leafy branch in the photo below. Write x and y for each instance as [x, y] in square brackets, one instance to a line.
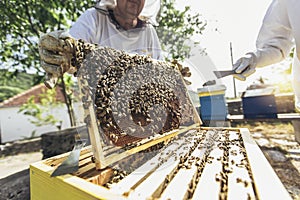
[40, 113]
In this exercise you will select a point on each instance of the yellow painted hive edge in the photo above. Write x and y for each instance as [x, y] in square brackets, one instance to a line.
[42, 186]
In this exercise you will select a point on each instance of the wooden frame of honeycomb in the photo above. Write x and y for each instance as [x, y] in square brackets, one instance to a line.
[131, 103]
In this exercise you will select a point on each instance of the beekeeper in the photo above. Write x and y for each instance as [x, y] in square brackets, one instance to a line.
[120, 24]
[279, 32]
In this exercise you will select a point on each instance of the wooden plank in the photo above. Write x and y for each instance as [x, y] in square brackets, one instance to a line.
[84, 160]
[92, 125]
[160, 176]
[289, 116]
[158, 138]
[281, 117]
[185, 177]
[207, 186]
[222, 178]
[267, 183]
[98, 177]
[240, 184]
[182, 181]
[55, 161]
[164, 163]
[86, 168]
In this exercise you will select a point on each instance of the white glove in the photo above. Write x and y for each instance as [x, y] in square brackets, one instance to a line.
[56, 50]
[245, 66]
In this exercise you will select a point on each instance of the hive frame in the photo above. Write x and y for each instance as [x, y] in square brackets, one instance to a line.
[98, 148]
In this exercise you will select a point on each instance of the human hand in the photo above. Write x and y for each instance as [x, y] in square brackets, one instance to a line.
[245, 66]
[56, 50]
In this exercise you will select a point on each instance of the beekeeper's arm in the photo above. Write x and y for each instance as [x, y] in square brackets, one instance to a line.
[273, 44]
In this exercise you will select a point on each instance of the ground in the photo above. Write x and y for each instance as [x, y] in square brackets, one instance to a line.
[277, 142]
[12, 164]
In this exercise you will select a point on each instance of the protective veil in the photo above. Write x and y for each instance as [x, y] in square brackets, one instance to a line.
[149, 12]
[96, 26]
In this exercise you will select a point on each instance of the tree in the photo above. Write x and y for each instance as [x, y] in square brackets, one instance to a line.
[22, 22]
[176, 28]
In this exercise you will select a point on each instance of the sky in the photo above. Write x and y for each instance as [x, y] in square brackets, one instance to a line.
[231, 21]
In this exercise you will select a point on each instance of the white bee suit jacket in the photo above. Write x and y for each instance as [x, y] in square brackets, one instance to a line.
[95, 26]
[280, 31]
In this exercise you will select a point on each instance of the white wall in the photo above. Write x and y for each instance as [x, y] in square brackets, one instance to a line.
[15, 126]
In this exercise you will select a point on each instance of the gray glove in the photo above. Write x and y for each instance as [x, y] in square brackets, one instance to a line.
[56, 50]
[245, 66]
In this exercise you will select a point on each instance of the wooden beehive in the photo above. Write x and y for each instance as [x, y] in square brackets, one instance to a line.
[202, 163]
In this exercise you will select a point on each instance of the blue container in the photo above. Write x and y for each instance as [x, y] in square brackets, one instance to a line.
[258, 107]
[213, 107]
[212, 103]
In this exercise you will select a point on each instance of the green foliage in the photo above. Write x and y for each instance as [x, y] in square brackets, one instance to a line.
[40, 112]
[19, 79]
[8, 91]
[176, 27]
[13, 83]
[22, 22]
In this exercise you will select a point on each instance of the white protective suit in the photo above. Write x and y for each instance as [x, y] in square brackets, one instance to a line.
[96, 26]
[279, 32]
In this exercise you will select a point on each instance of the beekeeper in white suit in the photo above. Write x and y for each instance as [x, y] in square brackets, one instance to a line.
[119, 24]
[280, 31]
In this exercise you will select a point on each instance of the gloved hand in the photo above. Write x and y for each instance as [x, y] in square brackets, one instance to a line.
[185, 71]
[56, 50]
[245, 66]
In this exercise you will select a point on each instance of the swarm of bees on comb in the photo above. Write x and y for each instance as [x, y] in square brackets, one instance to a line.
[134, 96]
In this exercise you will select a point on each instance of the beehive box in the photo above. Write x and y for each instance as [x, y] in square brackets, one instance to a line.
[202, 163]
[213, 103]
[259, 103]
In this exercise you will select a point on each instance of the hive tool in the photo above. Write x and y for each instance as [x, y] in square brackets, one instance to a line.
[221, 74]
[71, 164]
